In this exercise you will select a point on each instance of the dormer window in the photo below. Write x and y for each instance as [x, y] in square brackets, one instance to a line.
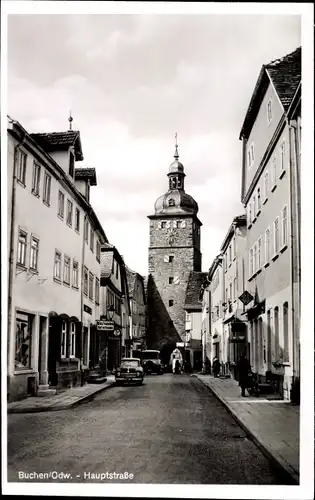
[71, 164]
[171, 202]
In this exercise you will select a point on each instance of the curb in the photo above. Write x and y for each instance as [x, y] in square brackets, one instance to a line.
[87, 397]
[291, 474]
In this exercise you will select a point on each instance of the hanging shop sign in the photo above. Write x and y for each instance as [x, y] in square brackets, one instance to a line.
[105, 325]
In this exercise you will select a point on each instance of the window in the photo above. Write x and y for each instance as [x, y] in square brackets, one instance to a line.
[170, 280]
[77, 220]
[116, 270]
[57, 270]
[266, 186]
[178, 223]
[231, 296]
[98, 250]
[255, 248]
[91, 286]
[23, 341]
[171, 258]
[285, 226]
[274, 172]
[97, 291]
[282, 157]
[63, 347]
[66, 270]
[171, 202]
[72, 340]
[21, 256]
[269, 111]
[258, 200]
[21, 167]
[254, 207]
[75, 274]
[92, 239]
[267, 245]
[234, 248]
[230, 254]
[85, 281]
[71, 164]
[69, 212]
[276, 235]
[36, 179]
[171, 302]
[259, 254]
[61, 204]
[34, 254]
[286, 332]
[163, 224]
[250, 155]
[250, 213]
[86, 230]
[234, 289]
[226, 295]
[47, 184]
[251, 262]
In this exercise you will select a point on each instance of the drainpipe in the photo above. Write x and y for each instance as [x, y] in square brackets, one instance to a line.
[12, 242]
[294, 246]
[82, 301]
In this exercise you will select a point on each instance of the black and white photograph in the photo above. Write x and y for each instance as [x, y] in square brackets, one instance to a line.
[157, 249]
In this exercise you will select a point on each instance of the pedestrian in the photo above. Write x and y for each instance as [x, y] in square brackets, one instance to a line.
[243, 370]
[216, 367]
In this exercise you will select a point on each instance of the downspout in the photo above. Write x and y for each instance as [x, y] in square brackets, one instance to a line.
[294, 247]
[12, 242]
[82, 300]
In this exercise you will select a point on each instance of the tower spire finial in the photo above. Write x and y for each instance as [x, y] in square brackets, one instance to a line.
[70, 120]
[176, 155]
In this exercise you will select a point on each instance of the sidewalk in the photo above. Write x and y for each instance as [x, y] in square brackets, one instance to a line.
[62, 401]
[273, 425]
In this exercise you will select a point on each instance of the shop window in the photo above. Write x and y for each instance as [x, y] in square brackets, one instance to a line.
[63, 346]
[72, 340]
[23, 341]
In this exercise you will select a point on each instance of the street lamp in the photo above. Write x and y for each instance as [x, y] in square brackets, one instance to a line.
[110, 312]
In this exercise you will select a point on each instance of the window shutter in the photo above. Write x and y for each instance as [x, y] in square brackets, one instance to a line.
[78, 337]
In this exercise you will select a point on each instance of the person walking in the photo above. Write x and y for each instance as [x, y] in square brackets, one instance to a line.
[216, 367]
[243, 370]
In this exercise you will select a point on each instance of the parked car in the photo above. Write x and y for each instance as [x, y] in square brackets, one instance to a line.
[130, 370]
[151, 362]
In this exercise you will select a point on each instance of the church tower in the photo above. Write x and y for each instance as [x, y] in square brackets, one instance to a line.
[174, 251]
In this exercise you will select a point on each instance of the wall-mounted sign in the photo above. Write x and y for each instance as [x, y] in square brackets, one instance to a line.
[246, 298]
[105, 326]
[117, 333]
[87, 309]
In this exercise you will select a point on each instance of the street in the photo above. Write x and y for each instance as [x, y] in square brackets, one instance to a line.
[171, 430]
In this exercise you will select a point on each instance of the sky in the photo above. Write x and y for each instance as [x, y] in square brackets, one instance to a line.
[132, 82]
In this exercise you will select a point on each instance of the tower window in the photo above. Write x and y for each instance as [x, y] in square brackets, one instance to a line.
[170, 280]
[171, 258]
[171, 202]
[163, 224]
[171, 302]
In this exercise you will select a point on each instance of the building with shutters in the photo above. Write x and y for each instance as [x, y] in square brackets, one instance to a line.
[270, 193]
[174, 251]
[114, 293]
[137, 304]
[193, 325]
[54, 244]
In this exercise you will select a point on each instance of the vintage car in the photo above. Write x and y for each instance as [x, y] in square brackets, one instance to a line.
[151, 362]
[130, 370]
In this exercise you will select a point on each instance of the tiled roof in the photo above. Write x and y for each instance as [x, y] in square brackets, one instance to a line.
[286, 76]
[55, 141]
[131, 280]
[195, 281]
[86, 173]
[107, 260]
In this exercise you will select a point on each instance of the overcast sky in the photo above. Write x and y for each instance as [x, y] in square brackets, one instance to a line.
[131, 82]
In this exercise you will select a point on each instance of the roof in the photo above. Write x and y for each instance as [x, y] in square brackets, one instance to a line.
[107, 255]
[239, 220]
[285, 74]
[86, 173]
[55, 141]
[194, 285]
